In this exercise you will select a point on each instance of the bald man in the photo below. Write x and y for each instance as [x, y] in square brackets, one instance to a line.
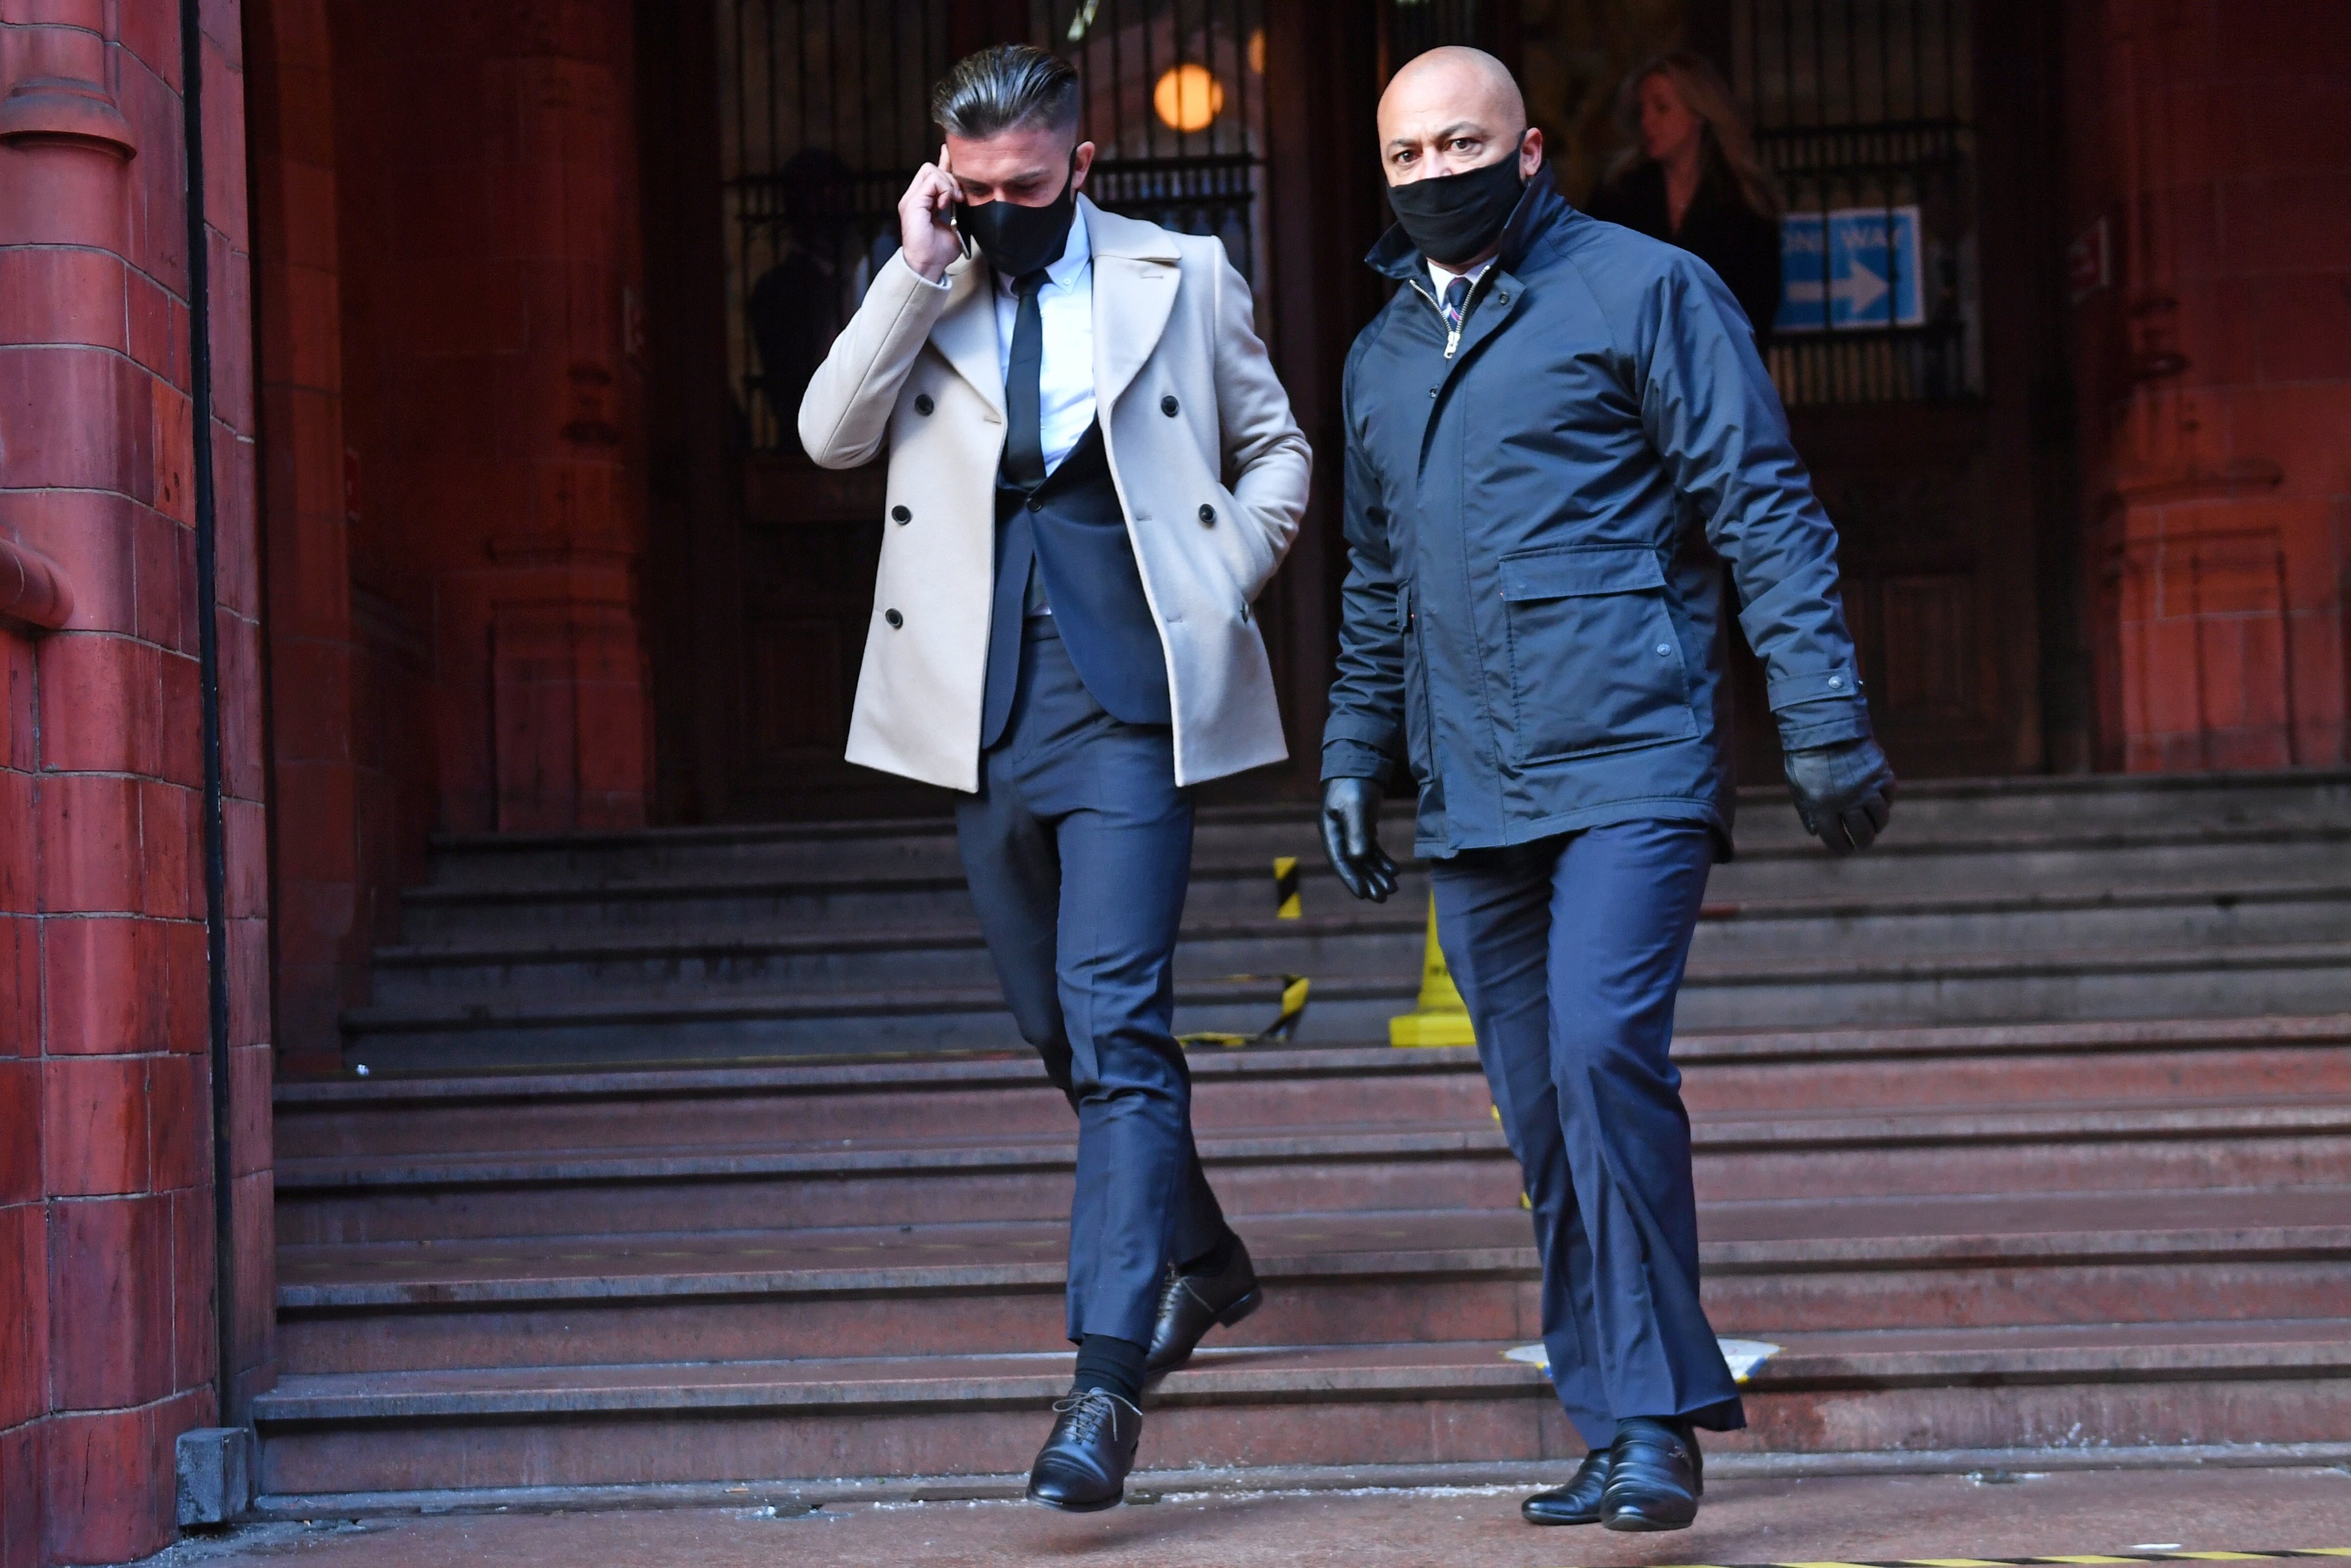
[1558, 432]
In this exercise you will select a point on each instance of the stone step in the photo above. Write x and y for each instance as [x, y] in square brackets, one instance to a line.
[437, 1035]
[1769, 1269]
[1926, 812]
[1322, 1168]
[861, 898]
[1367, 942]
[1263, 1087]
[2273, 1381]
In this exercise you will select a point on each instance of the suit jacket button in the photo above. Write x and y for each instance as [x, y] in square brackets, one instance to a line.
[923, 403]
[1207, 515]
[895, 619]
[900, 515]
[1035, 504]
[1168, 405]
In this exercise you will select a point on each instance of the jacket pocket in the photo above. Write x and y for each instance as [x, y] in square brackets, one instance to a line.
[1417, 720]
[1595, 663]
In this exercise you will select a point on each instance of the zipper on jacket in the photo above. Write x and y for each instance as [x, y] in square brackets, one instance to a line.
[1453, 334]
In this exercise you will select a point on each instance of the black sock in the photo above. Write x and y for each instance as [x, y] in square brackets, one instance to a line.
[1215, 1261]
[1110, 1363]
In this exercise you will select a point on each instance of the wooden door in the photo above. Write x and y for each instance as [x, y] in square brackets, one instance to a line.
[1915, 349]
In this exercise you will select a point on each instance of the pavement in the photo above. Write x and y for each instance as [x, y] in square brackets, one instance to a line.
[1818, 1521]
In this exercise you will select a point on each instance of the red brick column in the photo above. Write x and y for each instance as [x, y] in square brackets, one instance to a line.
[486, 194]
[107, 1338]
[2214, 361]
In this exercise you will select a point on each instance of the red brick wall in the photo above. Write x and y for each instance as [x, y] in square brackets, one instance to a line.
[2214, 142]
[107, 1340]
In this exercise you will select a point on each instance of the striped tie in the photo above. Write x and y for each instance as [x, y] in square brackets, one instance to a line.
[1457, 301]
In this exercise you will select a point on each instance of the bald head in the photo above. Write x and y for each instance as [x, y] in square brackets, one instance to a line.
[1449, 109]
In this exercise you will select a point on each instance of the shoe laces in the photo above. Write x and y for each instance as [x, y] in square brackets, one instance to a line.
[1175, 1286]
[1088, 1411]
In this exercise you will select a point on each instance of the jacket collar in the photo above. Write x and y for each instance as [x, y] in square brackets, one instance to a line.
[1540, 208]
[1136, 269]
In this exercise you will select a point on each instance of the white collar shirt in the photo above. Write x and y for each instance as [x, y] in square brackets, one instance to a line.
[1444, 277]
[1065, 381]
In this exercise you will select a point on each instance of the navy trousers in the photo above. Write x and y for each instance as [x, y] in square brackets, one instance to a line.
[1569, 952]
[1078, 851]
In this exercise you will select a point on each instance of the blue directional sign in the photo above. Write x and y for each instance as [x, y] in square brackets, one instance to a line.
[1848, 267]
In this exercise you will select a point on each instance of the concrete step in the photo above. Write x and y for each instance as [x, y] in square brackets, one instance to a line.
[854, 889]
[988, 1289]
[2239, 1381]
[1826, 991]
[853, 897]
[1367, 942]
[1927, 812]
[1264, 1087]
[1322, 1168]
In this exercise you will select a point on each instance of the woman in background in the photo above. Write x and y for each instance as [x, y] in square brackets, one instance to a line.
[1689, 178]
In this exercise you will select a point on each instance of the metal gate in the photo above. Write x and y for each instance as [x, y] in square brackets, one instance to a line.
[1865, 114]
[825, 116]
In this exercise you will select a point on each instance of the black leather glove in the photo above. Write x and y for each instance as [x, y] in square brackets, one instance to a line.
[1844, 793]
[1351, 837]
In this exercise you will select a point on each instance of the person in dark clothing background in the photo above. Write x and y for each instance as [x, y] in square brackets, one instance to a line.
[1689, 178]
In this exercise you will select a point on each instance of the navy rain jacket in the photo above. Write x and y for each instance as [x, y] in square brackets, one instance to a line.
[1536, 522]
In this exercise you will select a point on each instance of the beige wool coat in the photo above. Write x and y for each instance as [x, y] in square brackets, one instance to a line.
[1210, 467]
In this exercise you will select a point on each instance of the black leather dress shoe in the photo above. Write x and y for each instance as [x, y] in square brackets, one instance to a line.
[1656, 1475]
[1577, 1502]
[1083, 1467]
[1192, 1304]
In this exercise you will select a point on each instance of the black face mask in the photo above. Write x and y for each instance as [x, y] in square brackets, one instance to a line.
[1018, 240]
[1456, 216]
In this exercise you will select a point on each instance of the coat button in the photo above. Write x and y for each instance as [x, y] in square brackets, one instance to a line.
[923, 403]
[1168, 405]
[1035, 504]
[895, 619]
[900, 515]
[1836, 683]
[1664, 650]
[1207, 515]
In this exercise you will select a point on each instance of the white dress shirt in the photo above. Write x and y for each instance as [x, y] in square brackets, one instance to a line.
[1065, 382]
[1065, 305]
[1443, 277]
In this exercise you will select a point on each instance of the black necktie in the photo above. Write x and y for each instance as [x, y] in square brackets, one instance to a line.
[1024, 475]
[1024, 434]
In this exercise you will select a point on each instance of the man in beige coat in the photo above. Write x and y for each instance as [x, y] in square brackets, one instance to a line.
[1093, 472]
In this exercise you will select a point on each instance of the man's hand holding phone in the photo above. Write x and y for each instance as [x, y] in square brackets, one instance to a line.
[926, 219]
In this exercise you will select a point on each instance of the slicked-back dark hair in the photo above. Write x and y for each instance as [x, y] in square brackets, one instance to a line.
[1003, 88]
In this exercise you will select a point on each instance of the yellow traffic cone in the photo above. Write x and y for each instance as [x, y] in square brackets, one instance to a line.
[1442, 1019]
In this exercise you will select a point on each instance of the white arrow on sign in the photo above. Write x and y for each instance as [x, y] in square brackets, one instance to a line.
[1857, 291]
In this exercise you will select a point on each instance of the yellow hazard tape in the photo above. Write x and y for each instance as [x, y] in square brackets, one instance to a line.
[1285, 888]
[2135, 1558]
[1294, 990]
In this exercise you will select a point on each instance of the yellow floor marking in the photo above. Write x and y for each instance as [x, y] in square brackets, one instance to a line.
[2086, 1560]
[1951, 1562]
[1819, 1565]
[2224, 1556]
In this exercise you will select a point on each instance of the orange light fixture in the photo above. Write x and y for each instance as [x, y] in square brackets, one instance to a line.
[1188, 97]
